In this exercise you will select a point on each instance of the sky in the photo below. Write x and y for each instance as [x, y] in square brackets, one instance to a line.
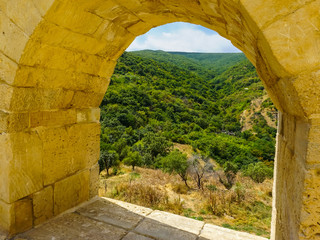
[183, 37]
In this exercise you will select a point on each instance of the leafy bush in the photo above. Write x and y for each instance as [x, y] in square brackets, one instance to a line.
[258, 171]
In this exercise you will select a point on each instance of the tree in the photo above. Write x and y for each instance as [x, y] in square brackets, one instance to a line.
[198, 166]
[154, 144]
[230, 170]
[176, 162]
[258, 172]
[133, 159]
[108, 159]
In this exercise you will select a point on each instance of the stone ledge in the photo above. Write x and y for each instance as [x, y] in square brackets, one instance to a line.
[103, 218]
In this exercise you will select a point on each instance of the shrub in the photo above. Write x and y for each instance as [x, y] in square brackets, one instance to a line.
[258, 172]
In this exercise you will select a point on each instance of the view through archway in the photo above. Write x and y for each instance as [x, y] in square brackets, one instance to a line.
[191, 133]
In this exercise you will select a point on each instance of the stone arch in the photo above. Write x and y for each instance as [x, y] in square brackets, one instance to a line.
[56, 59]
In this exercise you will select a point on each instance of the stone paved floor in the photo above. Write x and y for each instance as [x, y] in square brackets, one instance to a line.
[108, 219]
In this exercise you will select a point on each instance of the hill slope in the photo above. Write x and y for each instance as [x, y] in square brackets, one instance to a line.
[174, 97]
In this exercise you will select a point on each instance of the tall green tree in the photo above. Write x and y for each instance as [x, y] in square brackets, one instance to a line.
[176, 162]
[133, 159]
[108, 159]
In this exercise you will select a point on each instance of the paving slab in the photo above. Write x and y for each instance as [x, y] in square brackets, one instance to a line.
[212, 232]
[177, 221]
[134, 236]
[111, 213]
[160, 231]
[74, 226]
[109, 219]
[143, 211]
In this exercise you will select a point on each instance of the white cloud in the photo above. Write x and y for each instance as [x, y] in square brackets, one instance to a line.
[183, 37]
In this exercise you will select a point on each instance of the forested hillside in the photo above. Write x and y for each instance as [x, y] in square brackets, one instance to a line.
[197, 133]
[157, 98]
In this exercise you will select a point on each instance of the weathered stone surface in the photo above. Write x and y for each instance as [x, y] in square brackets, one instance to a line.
[56, 149]
[43, 5]
[20, 165]
[83, 140]
[94, 181]
[161, 231]
[134, 236]
[8, 69]
[53, 118]
[73, 226]
[86, 99]
[44, 78]
[16, 217]
[69, 149]
[13, 122]
[143, 211]
[43, 205]
[16, 10]
[23, 219]
[211, 232]
[88, 115]
[12, 38]
[27, 99]
[6, 92]
[71, 191]
[111, 213]
[6, 212]
[178, 222]
[287, 38]
[87, 223]
[55, 35]
[75, 18]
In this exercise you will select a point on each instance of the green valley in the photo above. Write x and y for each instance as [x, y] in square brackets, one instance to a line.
[161, 103]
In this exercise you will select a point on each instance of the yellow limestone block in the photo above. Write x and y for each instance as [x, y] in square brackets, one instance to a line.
[23, 215]
[94, 180]
[16, 217]
[8, 69]
[6, 212]
[56, 79]
[16, 10]
[43, 205]
[84, 140]
[13, 122]
[294, 40]
[13, 39]
[71, 191]
[51, 34]
[88, 115]
[68, 150]
[53, 118]
[43, 5]
[20, 165]
[70, 15]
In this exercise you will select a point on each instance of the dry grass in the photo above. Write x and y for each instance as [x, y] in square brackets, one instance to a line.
[246, 207]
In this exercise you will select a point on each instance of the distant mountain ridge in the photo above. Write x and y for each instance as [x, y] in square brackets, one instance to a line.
[215, 63]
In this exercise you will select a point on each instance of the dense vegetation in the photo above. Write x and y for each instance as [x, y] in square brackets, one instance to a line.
[157, 98]
[193, 128]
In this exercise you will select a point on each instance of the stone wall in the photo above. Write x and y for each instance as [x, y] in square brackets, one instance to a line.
[56, 59]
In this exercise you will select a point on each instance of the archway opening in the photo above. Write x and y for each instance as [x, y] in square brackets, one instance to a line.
[195, 130]
[55, 66]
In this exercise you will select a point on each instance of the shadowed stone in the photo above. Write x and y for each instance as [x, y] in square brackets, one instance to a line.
[112, 213]
[162, 231]
[134, 236]
[73, 226]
